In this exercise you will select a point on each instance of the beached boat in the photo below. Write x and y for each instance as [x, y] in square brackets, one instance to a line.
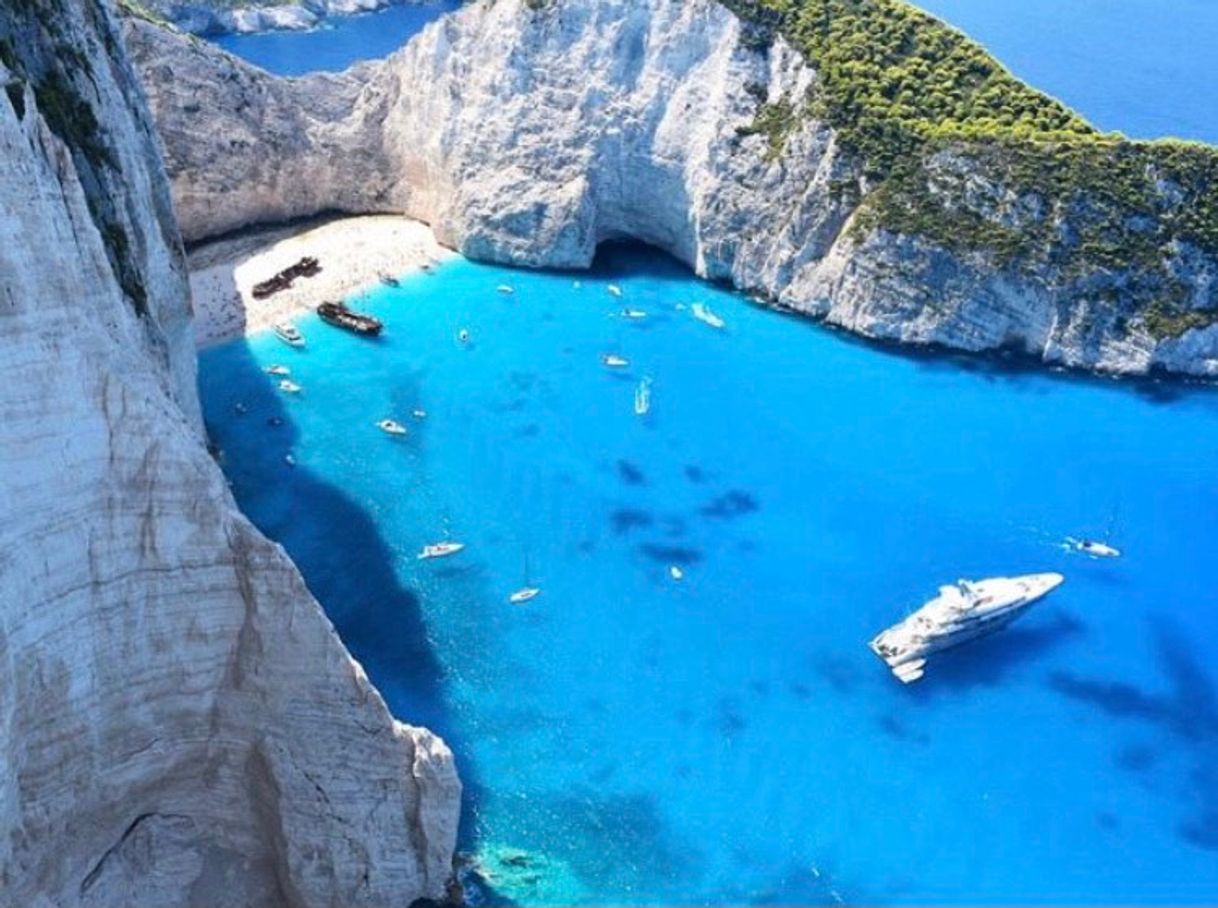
[961, 612]
[704, 314]
[642, 397]
[287, 386]
[287, 333]
[276, 369]
[613, 361]
[440, 550]
[338, 315]
[391, 427]
[614, 290]
[633, 314]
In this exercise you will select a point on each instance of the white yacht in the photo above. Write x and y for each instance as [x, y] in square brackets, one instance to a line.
[391, 427]
[276, 369]
[287, 333]
[613, 361]
[440, 549]
[524, 594]
[642, 397]
[287, 386]
[961, 612]
[704, 314]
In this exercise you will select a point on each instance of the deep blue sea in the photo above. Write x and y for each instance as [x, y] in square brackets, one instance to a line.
[1142, 67]
[340, 42]
[729, 738]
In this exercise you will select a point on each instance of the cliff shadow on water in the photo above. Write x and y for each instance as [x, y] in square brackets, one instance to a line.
[335, 543]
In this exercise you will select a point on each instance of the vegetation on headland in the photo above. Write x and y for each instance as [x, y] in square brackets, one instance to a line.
[927, 112]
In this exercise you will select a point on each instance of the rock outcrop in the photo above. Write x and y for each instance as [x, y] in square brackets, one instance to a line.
[179, 723]
[529, 133]
[201, 17]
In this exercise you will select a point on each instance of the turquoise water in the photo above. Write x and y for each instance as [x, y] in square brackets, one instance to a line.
[1143, 67]
[342, 41]
[729, 738]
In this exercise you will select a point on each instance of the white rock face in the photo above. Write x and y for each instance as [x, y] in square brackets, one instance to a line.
[530, 136]
[179, 724]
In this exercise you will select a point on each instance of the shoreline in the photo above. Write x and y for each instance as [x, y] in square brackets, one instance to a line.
[353, 252]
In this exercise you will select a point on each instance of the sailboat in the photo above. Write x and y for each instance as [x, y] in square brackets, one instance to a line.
[642, 397]
[526, 592]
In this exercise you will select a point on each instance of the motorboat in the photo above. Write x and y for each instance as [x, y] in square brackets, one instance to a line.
[391, 427]
[463, 335]
[634, 314]
[675, 572]
[614, 290]
[613, 361]
[440, 550]
[704, 314]
[506, 288]
[289, 460]
[338, 315]
[642, 397]
[287, 333]
[287, 386]
[419, 414]
[962, 612]
[524, 594]
[1094, 548]
[276, 369]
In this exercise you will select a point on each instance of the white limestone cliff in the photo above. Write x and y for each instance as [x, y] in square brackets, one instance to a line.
[179, 723]
[530, 135]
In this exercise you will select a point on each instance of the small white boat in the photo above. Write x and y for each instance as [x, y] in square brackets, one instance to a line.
[675, 572]
[614, 290]
[440, 550]
[391, 427]
[287, 333]
[703, 314]
[524, 594]
[613, 361]
[633, 314]
[506, 288]
[276, 369]
[287, 386]
[1094, 548]
[642, 397]
[289, 460]
[463, 335]
[419, 414]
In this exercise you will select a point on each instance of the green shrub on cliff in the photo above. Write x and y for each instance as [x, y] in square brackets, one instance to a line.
[926, 109]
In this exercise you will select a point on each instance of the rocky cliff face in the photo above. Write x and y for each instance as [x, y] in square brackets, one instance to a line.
[531, 135]
[179, 724]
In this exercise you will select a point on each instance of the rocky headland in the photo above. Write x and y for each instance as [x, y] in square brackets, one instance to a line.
[181, 724]
[980, 216]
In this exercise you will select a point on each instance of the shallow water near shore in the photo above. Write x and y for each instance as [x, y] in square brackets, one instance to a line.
[729, 738]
